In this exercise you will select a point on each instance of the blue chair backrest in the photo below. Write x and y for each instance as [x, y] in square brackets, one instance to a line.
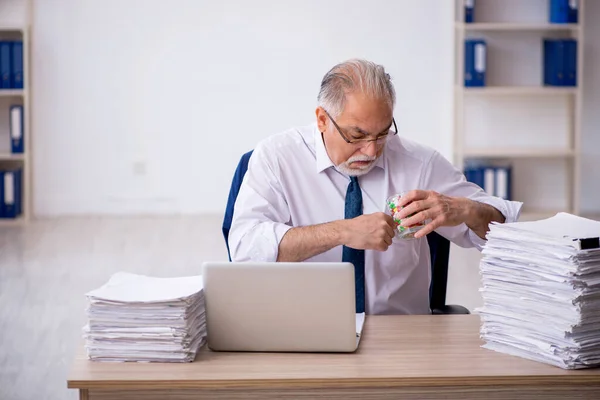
[439, 246]
[238, 177]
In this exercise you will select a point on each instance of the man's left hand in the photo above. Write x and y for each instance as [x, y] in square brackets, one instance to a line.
[429, 205]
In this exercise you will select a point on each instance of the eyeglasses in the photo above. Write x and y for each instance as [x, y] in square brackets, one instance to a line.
[380, 140]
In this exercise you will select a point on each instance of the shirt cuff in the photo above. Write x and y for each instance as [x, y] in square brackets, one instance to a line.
[511, 210]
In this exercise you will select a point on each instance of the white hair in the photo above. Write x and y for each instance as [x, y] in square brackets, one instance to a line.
[354, 75]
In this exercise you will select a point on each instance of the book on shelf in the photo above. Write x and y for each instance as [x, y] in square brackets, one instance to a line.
[563, 11]
[560, 62]
[16, 129]
[469, 11]
[11, 191]
[496, 180]
[11, 64]
[17, 65]
[475, 62]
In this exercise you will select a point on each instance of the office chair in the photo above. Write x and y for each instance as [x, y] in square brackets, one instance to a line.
[439, 248]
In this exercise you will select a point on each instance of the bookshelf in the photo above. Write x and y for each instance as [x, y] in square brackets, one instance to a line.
[509, 26]
[518, 90]
[15, 17]
[514, 119]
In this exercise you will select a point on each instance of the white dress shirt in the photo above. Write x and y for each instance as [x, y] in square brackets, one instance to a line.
[292, 182]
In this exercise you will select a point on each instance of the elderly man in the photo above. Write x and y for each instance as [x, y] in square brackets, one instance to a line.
[318, 193]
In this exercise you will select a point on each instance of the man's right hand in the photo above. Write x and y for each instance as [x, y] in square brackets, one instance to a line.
[369, 232]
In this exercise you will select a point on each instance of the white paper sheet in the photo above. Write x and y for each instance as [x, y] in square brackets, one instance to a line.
[145, 319]
[127, 287]
[360, 322]
[541, 292]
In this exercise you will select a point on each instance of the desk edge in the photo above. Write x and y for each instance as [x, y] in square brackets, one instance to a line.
[522, 380]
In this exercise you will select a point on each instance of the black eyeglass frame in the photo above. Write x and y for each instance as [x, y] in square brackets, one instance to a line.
[358, 141]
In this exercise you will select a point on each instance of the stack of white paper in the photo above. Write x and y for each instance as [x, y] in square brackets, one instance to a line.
[541, 290]
[140, 318]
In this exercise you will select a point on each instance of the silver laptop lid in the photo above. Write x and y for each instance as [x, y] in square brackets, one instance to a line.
[289, 307]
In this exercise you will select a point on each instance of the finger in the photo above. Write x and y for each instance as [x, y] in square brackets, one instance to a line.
[418, 218]
[390, 227]
[390, 230]
[411, 196]
[413, 208]
[428, 228]
[388, 240]
[389, 221]
[383, 247]
[387, 218]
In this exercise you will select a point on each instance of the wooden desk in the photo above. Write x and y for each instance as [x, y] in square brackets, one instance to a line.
[422, 357]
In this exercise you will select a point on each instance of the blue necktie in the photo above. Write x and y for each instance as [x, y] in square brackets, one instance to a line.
[353, 209]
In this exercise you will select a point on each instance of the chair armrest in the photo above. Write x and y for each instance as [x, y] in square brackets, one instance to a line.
[450, 309]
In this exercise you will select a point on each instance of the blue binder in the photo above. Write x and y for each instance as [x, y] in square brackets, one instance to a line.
[563, 11]
[474, 174]
[17, 131]
[495, 180]
[573, 11]
[5, 65]
[570, 62]
[560, 62]
[475, 62]
[17, 65]
[552, 57]
[559, 11]
[469, 11]
[11, 192]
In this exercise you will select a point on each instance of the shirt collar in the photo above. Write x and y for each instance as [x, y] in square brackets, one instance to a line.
[323, 160]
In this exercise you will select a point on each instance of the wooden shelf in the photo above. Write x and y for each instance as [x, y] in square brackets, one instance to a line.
[20, 220]
[515, 27]
[15, 29]
[12, 157]
[517, 153]
[518, 90]
[12, 92]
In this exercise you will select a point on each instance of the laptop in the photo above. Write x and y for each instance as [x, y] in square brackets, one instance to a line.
[281, 307]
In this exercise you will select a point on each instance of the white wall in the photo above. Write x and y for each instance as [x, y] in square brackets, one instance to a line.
[146, 106]
[176, 91]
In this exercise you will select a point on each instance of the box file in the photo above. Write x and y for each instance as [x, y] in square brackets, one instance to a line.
[17, 65]
[573, 11]
[17, 129]
[469, 11]
[475, 62]
[11, 191]
[563, 11]
[493, 179]
[570, 62]
[5, 65]
[559, 11]
[560, 62]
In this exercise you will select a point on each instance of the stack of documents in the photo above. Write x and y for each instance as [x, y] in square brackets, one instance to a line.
[140, 318]
[541, 290]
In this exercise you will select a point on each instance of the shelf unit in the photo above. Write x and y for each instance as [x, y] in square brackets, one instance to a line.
[516, 152]
[517, 90]
[504, 32]
[511, 26]
[19, 31]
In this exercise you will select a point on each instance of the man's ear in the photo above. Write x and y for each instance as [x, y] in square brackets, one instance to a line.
[321, 119]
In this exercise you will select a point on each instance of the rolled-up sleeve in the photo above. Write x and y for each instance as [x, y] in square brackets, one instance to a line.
[261, 215]
[442, 177]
